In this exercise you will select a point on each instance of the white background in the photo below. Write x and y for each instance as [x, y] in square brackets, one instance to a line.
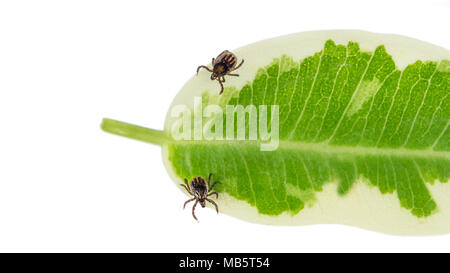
[64, 65]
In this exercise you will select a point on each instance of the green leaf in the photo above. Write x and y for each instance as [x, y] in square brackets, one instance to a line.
[348, 117]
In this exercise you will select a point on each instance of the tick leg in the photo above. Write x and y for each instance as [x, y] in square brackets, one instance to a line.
[205, 67]
[193, 209]
[213, 184]
[221, 86]
[187, 189]
[238, 65]
[236, 75]
[223, 79]
[213, 61]
[187, 186]
[209, 180]
[188, 202]
[211, 193]
[214, 203]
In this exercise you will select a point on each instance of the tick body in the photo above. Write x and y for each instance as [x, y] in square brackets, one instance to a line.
[200, 190]
[222, 66]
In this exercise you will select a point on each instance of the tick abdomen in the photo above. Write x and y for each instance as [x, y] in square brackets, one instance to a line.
[228, 58]
[199, 185]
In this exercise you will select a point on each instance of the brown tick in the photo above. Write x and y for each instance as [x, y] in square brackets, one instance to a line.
[222, 66]
[200, 189]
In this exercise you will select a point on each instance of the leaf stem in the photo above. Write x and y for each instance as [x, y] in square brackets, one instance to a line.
[136, 132]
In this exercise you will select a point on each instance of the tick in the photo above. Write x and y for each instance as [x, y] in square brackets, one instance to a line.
[223, 65]
[200, 189]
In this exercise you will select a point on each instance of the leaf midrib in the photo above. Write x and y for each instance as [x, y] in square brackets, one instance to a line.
[326, 148]
[160, 138]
